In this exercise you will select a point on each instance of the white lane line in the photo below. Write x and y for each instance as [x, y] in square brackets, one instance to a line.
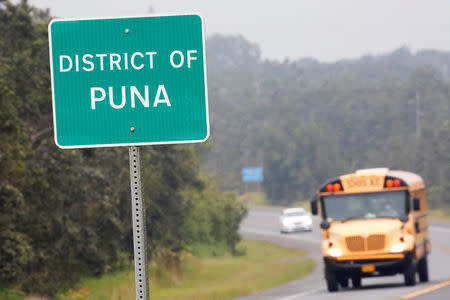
[293, 237]
[438, 228]
[297, 296]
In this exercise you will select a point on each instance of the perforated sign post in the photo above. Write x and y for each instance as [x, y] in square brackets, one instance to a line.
[129, 82]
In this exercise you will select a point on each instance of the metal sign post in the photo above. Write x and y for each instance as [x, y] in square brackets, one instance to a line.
[139, 232]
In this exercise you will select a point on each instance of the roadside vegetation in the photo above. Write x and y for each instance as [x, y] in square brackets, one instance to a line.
[439, 215]
[66, 214]
[254, 199]
[259, 266]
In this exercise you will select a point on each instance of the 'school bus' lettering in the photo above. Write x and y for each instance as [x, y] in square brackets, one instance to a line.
[361, 183]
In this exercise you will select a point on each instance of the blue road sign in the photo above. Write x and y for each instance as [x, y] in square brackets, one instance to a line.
[252, 174]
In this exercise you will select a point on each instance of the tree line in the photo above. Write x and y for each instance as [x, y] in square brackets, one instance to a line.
[305, 121]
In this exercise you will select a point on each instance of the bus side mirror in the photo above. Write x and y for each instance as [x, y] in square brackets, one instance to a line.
[416, 203]
[403, 218]
[325, 225]
[314, 207]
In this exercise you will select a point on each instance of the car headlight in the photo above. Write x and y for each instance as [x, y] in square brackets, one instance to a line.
[397, 248]
[335, 252]
[285, 223]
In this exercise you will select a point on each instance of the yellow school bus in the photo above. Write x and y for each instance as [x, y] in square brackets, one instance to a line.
[374, 223]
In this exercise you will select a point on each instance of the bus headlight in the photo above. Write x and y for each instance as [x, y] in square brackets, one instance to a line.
[334, 252]
[397, 248]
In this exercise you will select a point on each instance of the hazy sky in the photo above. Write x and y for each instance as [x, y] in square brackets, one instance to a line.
[324, 29]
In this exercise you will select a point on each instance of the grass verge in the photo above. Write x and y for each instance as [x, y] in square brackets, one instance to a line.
[442, 215]
[259, 200]
[263, 265]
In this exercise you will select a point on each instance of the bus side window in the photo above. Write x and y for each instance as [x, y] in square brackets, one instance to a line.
[420, 202]
[416, 203]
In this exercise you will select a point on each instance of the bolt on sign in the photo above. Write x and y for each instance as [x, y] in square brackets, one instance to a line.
[129, 81]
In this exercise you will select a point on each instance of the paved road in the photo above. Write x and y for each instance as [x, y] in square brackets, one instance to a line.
[262, 224]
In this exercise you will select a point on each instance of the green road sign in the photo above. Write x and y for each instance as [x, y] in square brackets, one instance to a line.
[129, 81]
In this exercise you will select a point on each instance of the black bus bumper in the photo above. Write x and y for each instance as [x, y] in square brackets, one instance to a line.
[362, 268]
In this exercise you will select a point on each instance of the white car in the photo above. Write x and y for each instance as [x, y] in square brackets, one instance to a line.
[295, 219]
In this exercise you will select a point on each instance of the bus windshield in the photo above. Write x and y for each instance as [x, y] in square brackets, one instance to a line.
[365, 206]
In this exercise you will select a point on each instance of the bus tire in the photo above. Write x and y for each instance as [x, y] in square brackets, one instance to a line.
[356, 282]
[343, 282]
[423, 269]
[410, 274]
[332, 283]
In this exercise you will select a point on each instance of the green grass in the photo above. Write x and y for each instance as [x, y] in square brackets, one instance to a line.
[254, 199]
[439, 215]
[264, 265]
[10, 294]
[259, 200]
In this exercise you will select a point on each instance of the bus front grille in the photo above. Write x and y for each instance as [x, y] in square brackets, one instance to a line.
[358, 243]
[355, 243]
[375, 242]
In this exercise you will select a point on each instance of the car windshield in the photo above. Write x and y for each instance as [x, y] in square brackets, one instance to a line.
[365, 206]
[295, 214]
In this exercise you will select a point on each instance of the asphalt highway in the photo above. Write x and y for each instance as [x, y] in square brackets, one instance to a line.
[262, 224]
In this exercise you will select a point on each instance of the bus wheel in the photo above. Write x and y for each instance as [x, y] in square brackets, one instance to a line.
[332, 283]
[410, 274]
[356, 282]
[423, 269]
[343, 282]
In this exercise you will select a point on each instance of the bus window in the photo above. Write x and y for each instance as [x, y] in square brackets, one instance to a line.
[390, 204]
